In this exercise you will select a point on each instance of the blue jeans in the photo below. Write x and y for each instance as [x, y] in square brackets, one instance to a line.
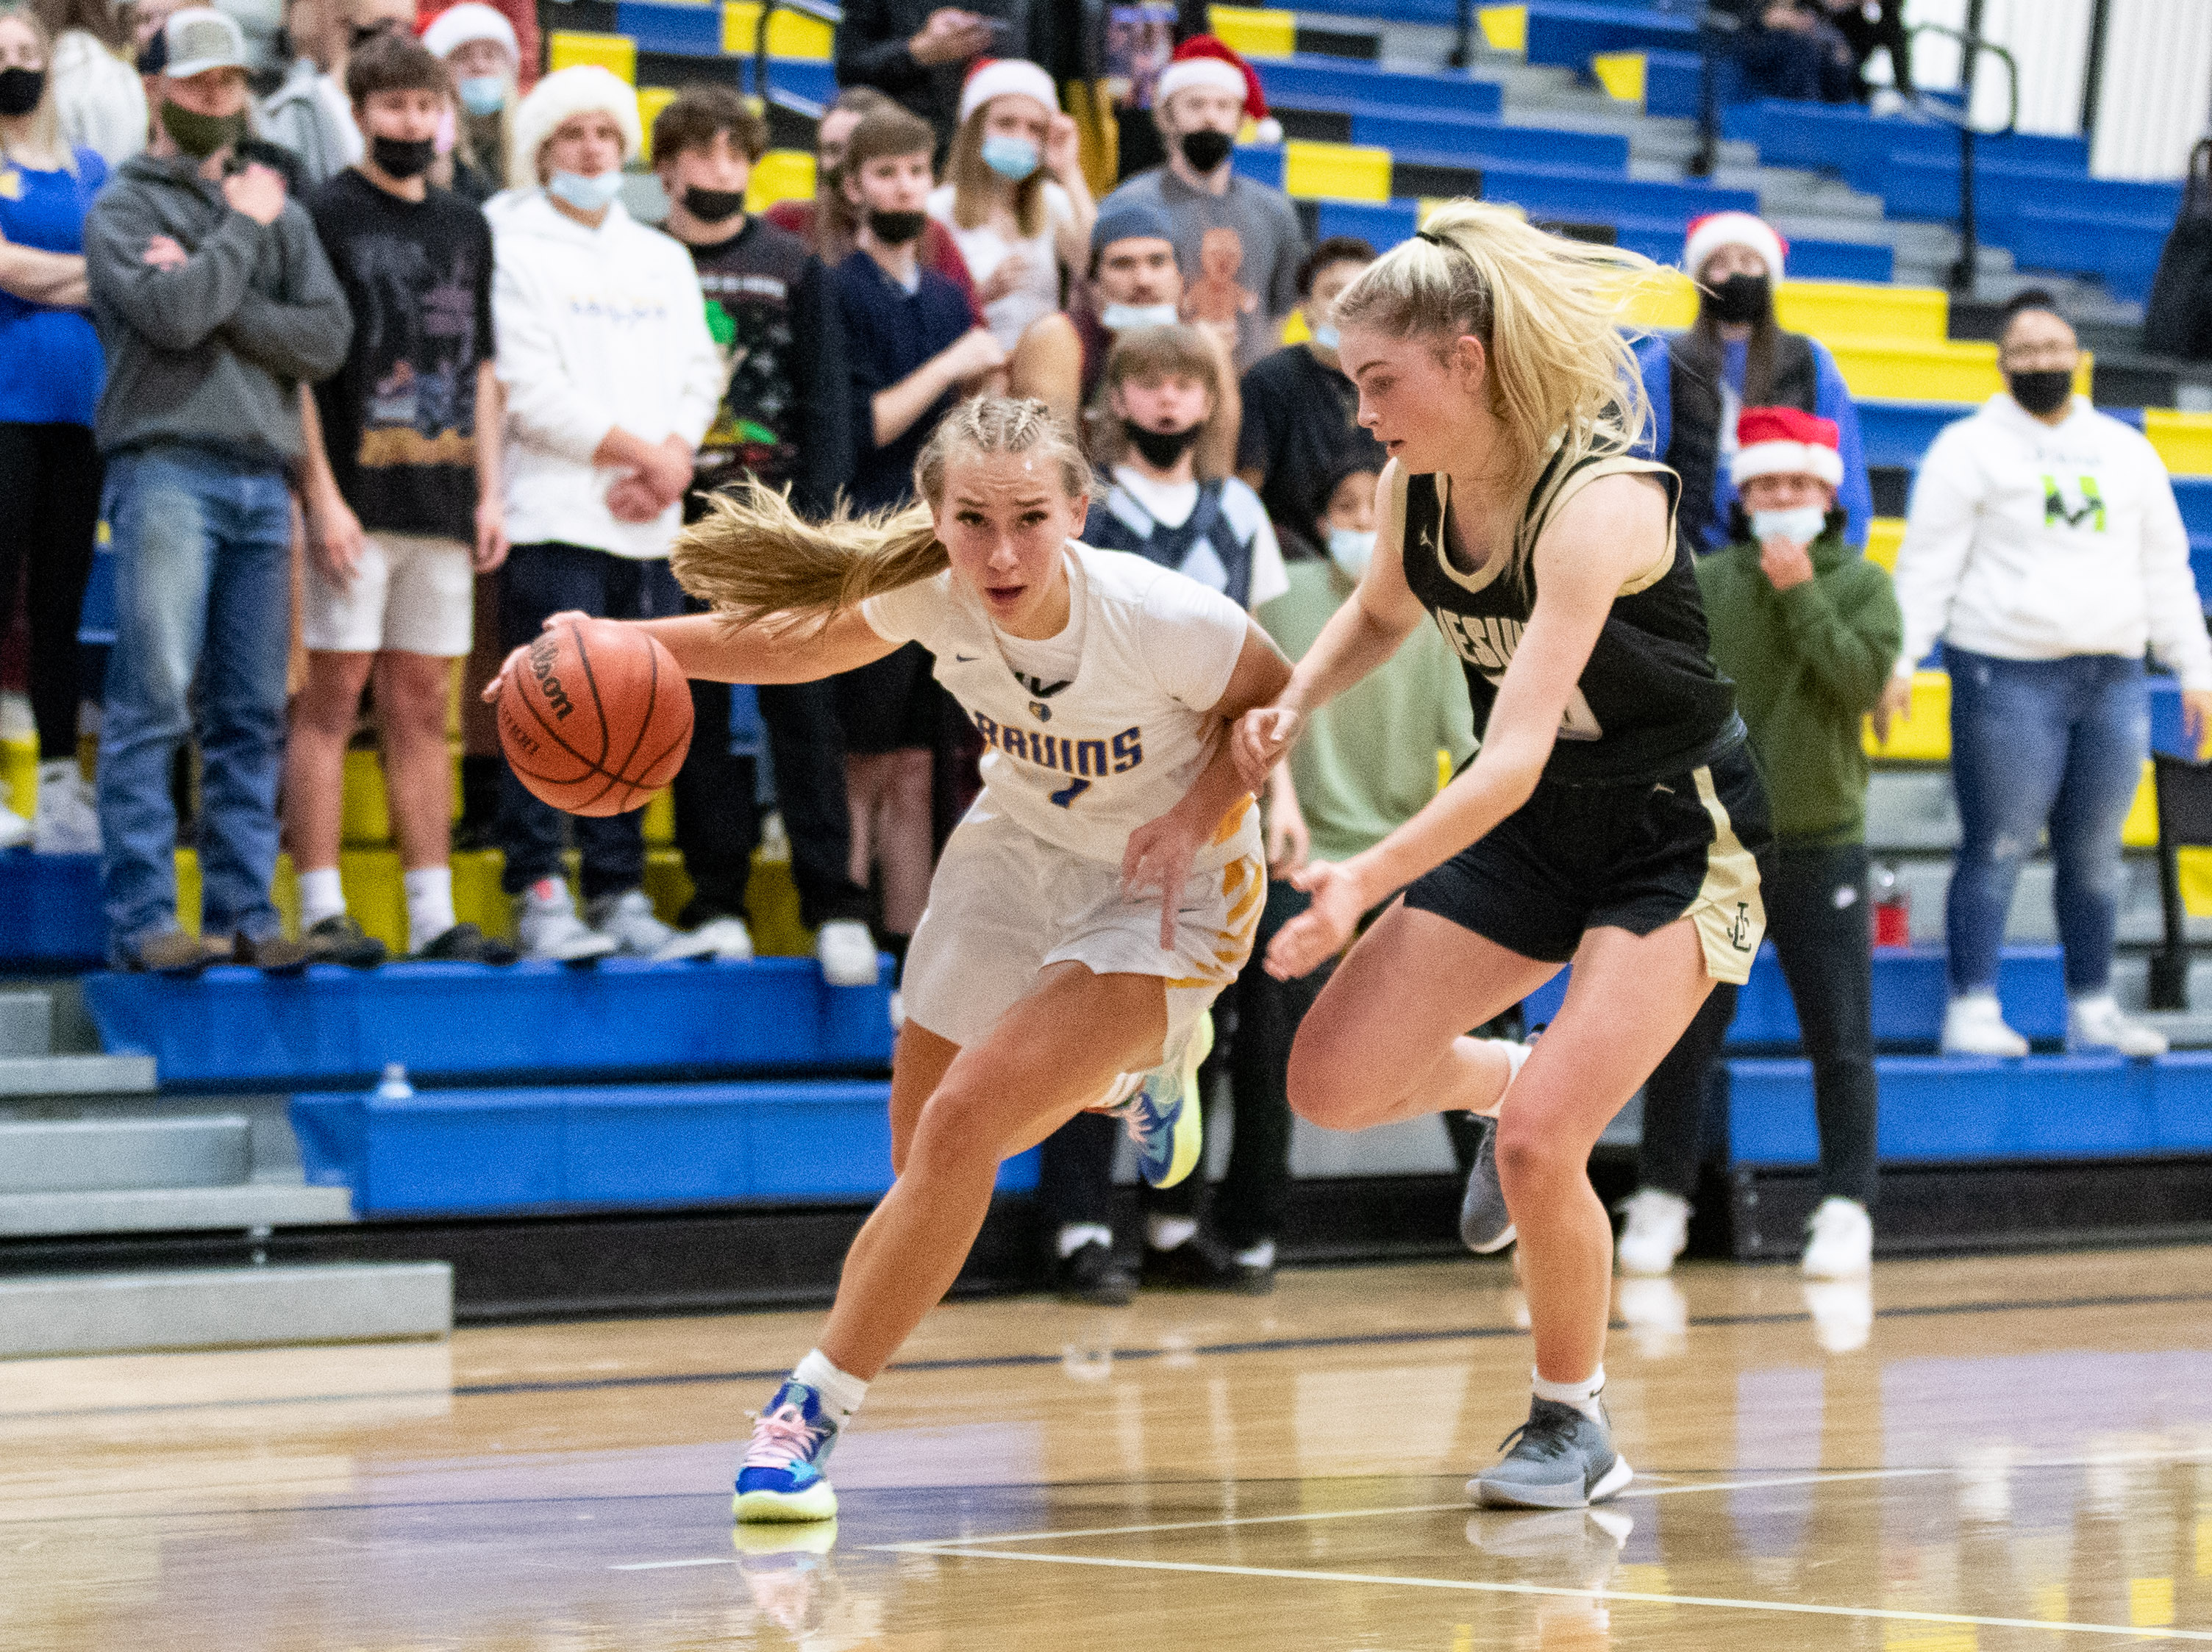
[2035, 743]
[202, 547]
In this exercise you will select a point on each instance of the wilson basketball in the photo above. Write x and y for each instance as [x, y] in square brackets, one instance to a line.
[597, 718]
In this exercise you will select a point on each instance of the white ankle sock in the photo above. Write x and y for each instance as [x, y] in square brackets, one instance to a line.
[1260, 1255]
[321, 896]
[1517, 1057]
[842, 1393]
[1076, 1235]
[1167, 1232]
[429, 904]
[1583, 1396]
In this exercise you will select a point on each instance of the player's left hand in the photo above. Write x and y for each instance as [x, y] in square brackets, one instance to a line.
[513, 663]
[1320, 933]
[1158, 858]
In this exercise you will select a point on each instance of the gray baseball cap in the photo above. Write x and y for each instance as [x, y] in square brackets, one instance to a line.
[198, 39]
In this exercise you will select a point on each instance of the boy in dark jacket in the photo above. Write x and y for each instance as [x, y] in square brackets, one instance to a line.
[1803, 624]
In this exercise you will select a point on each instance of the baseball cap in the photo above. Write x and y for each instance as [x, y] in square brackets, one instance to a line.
[198, 39]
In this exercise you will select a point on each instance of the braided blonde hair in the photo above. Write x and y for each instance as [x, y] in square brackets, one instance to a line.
[754, 558]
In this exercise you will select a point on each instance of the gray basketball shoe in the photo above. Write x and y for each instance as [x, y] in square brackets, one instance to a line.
[1560, 1458]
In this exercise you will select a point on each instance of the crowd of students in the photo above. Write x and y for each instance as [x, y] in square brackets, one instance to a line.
[348, 337]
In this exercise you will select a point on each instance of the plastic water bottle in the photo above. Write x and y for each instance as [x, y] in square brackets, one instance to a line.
[395, 1087]
[1893, 909]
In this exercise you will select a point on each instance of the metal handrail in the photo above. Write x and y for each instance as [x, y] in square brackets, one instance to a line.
[1964, 271]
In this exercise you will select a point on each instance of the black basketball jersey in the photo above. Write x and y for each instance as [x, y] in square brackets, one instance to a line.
[1648, 703]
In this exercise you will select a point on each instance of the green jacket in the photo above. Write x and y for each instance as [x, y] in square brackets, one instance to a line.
[1809, 664]
[1367, 760]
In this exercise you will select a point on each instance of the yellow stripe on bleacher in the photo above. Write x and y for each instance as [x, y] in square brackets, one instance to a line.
[650, 100]
[790, 33]
[1335, 172]
[1924, 370]
[1884, 535]
[2184, 440]
[1923, 733]
[1254, 31]
[1621, 74]
[1826, 309]
[1505, 28]
[781, 175]
[567, 48]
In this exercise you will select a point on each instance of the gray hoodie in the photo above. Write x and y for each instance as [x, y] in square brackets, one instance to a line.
[210, 353]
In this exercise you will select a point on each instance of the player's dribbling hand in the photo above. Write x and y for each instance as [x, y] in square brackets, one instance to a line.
[1318, 933]
[513, 660]
[1261, 737]
[1158, 858]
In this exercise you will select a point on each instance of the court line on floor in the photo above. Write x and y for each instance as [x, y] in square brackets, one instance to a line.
[1475, 1586]
[1012, 1361]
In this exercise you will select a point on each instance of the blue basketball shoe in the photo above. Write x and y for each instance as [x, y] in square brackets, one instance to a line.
[1164, 1117]
[780, 1478]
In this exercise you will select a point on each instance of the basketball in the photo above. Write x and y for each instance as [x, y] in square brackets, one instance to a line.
[597, 718]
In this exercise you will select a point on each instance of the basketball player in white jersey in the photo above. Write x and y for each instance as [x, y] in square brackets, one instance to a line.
[1102, 890]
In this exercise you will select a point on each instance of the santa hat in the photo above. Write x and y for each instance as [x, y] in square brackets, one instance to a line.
[586, 88]
[1714, 230]
[998, 78]
[455, 26]
[1204, 61]
[1785, 441]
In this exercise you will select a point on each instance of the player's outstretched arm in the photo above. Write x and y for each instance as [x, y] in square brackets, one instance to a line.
[716, 650]
[1160, 852]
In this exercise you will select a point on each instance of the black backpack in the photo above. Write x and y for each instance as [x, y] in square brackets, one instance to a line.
[2177, 319]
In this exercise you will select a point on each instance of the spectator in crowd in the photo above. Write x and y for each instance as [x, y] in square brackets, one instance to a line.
[1736, 356]
[401, 483]
[1300, 411]
[1808, 628]
[1134, 44]
[50, 379]
[915, 350]
[918, 52]
[99, 98]
[1016, 204]
[2045, 548]
[1793, 49]
[785, 420]
[524, 54]
[829, 222]
[306, 111]
[611, 380]
[1238, 242]
[215, 302]
[477, 45]
[1872, 26]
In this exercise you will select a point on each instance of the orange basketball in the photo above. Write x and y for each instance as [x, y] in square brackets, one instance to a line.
[597, 718]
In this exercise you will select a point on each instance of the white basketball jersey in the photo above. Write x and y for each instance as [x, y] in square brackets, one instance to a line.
[1084, 762]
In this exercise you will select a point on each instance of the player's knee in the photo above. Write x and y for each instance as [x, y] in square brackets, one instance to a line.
[950, 1138]
[1527, 1155]
[1323, 1091]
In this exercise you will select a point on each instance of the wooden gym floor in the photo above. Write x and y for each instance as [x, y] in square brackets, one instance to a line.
[1989, 1454]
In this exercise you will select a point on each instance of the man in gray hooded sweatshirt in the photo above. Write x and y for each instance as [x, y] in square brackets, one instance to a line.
[215, 302]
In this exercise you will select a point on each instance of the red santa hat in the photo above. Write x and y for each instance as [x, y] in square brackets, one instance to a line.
[1714, 230]
[1204, 61]
[1785, 441]
[998, 78]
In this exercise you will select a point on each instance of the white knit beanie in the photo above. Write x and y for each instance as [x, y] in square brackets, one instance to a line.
[1714, 230]
[455, 26]
[584, 89]
[996, 77]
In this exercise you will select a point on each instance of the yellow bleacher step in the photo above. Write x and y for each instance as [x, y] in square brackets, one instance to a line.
[1830, 311]
[1923, 733]
[790, 33]
[1254, 31]
[1621, 74]
[1884, 535]
[1335, 172]
[2184, 440]
[780, 175]
[1917, 370]
[650, 100]
[19, 774]
[1504, 28]
[565, 48]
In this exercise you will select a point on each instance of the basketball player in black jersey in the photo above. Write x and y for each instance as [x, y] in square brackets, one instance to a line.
[1611, 815]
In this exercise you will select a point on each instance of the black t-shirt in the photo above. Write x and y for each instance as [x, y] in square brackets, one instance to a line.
[787, 413]
[399, 417]
[1299, 421]
[889, 333]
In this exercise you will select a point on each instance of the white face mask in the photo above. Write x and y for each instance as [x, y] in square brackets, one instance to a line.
[1127, 317]
[586, 194]
[1800, 526]
[1326, 336]
[1351, 550]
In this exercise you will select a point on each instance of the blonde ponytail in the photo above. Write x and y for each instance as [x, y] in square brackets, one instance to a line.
[753, 557]
[1549, 311]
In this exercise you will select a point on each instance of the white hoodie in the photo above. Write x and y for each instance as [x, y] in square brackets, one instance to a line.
[2029, 541]
[597, 328]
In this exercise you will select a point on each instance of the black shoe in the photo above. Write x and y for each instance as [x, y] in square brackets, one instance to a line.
[1200, 1264]
[274, 956]
[1093, 1275]
[466, 943]
[175, 954]
[338, 940]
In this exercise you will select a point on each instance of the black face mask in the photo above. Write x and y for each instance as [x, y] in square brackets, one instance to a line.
[1204, 150]
[896, 228]
[1739, 297]
[2041, 393]
[402, 157]
[1160, 448]
[712, 205]
[20, 90]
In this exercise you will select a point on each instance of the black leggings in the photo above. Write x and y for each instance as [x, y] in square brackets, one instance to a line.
[50, 484]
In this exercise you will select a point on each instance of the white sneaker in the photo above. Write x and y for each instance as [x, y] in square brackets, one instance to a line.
[847, 952]
[1657, 1231]
[1841, 1311]
[627, 919]
[2096, 1023]
[549, 928]
[725, 940]
[1838, 1241]
[15, 830]
[1974, 1024]
[67, 822]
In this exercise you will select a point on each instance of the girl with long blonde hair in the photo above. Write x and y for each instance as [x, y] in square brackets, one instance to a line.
[1611, 817]
[1103, 889]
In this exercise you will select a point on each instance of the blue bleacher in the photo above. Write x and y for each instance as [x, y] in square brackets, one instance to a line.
[50, 915]
[1570, 33]
[1474, 142]
[1293, 80]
